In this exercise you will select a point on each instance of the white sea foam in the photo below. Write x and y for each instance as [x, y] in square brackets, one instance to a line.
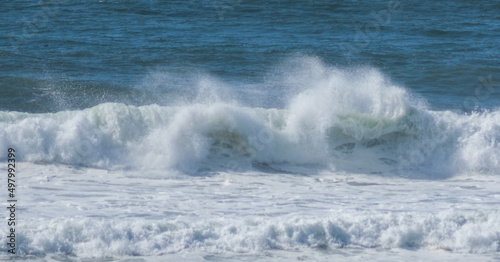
[353, 120]
[98, 213]
[462, 232]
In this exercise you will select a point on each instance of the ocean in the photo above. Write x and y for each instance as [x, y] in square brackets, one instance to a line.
[235, 130]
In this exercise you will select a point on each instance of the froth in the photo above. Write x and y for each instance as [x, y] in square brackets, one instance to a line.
[463, 232]
[353, 120]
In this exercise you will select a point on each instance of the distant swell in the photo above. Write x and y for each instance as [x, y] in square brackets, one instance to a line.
[354, 121]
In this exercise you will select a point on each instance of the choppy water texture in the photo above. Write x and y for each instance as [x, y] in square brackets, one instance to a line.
[253, 130]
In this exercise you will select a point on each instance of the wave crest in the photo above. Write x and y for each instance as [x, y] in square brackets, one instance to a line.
[355, 121]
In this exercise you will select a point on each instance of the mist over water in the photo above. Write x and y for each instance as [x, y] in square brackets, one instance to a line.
[76, 55]
[252, 130]
[353, 120]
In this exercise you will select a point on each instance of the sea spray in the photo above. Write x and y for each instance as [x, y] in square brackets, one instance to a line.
[352, 120]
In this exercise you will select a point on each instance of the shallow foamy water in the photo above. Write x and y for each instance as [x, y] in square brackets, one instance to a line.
[83, 213]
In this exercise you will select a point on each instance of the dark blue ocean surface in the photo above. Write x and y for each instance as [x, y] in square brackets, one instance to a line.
[59, 55]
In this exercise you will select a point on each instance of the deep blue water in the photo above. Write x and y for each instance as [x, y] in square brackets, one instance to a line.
[58, 55]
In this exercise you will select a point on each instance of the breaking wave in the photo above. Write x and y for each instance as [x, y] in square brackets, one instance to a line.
[349, 120]
[461, 232]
